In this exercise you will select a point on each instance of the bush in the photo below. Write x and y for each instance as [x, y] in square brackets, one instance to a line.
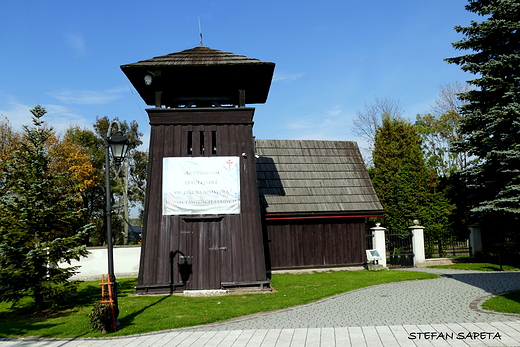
[101, 318]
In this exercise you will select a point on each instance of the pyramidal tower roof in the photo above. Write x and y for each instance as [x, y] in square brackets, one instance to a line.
[198, 56]
[201, 73]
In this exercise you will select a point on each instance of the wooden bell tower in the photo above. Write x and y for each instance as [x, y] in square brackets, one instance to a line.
[202, 215]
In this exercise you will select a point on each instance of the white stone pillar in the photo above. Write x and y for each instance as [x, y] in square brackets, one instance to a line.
[475, 240]
[379, 242]
[419, 257]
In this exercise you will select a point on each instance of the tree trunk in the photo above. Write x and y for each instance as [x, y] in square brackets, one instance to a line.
[39, 302]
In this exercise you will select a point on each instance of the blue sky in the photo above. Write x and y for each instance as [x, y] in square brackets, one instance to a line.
[331, 57]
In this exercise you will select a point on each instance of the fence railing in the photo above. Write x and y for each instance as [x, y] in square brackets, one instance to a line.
[447, 248]
[399, 250]
[369, 240]
[411, 249]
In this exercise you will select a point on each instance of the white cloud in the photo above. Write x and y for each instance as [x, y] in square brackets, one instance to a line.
[88, 97]
[58, 117]
[329, 124]
[335, 111]
[301, 123]
[287, 77]
[62, 117]
[15, 112]
[76, 43]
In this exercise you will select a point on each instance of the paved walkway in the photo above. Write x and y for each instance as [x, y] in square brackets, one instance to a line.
[438, 312]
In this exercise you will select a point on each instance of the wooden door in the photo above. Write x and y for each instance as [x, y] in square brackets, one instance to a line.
[200, 265]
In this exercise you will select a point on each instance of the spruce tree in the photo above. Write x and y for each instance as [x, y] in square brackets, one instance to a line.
[491, 113]
[40, 221]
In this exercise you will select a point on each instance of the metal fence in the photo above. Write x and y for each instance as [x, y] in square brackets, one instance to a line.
[399, 250]
[447, 248]
[369, 239]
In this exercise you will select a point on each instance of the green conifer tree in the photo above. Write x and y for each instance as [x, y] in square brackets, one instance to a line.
[491, 114]
[40, 221]
[405, 185]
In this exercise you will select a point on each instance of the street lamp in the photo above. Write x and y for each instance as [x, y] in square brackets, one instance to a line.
[119, 145]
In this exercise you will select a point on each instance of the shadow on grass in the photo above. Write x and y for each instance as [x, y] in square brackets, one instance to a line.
[22, 319]
[85, 296]
[505, 303]
[20, 328]
[513, 296]
[127, 320]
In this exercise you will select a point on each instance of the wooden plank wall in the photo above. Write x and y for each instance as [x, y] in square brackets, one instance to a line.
[315, 242]
[201, 252]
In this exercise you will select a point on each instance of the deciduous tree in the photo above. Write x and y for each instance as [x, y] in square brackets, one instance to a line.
[94, 196]
[440, 129]
[8, 141]
[135, 168]
[369, 120]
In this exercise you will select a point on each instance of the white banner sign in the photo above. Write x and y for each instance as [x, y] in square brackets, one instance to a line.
[201, 185]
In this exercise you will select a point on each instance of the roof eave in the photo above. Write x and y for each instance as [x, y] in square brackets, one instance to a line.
[323, 215]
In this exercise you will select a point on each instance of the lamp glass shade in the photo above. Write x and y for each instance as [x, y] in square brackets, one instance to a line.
[119, 146]
[118, 150]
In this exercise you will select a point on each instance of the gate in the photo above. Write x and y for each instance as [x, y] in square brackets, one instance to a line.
[399, 250]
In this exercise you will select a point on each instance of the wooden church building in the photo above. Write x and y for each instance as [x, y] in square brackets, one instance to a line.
[221, 208]
[314, 197]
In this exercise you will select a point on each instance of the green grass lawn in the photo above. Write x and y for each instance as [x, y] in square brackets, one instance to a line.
[140, 314]
[508, 303]
[477, 266]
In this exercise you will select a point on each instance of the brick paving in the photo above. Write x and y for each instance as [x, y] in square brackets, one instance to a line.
[437, 312]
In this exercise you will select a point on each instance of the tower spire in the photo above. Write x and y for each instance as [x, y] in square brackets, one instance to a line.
[200, 33]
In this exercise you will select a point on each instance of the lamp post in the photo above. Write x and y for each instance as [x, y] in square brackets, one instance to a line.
[118, 145]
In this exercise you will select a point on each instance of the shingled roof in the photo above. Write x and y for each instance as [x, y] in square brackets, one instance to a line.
[200, 55]
[306, 177]
[201, 73]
